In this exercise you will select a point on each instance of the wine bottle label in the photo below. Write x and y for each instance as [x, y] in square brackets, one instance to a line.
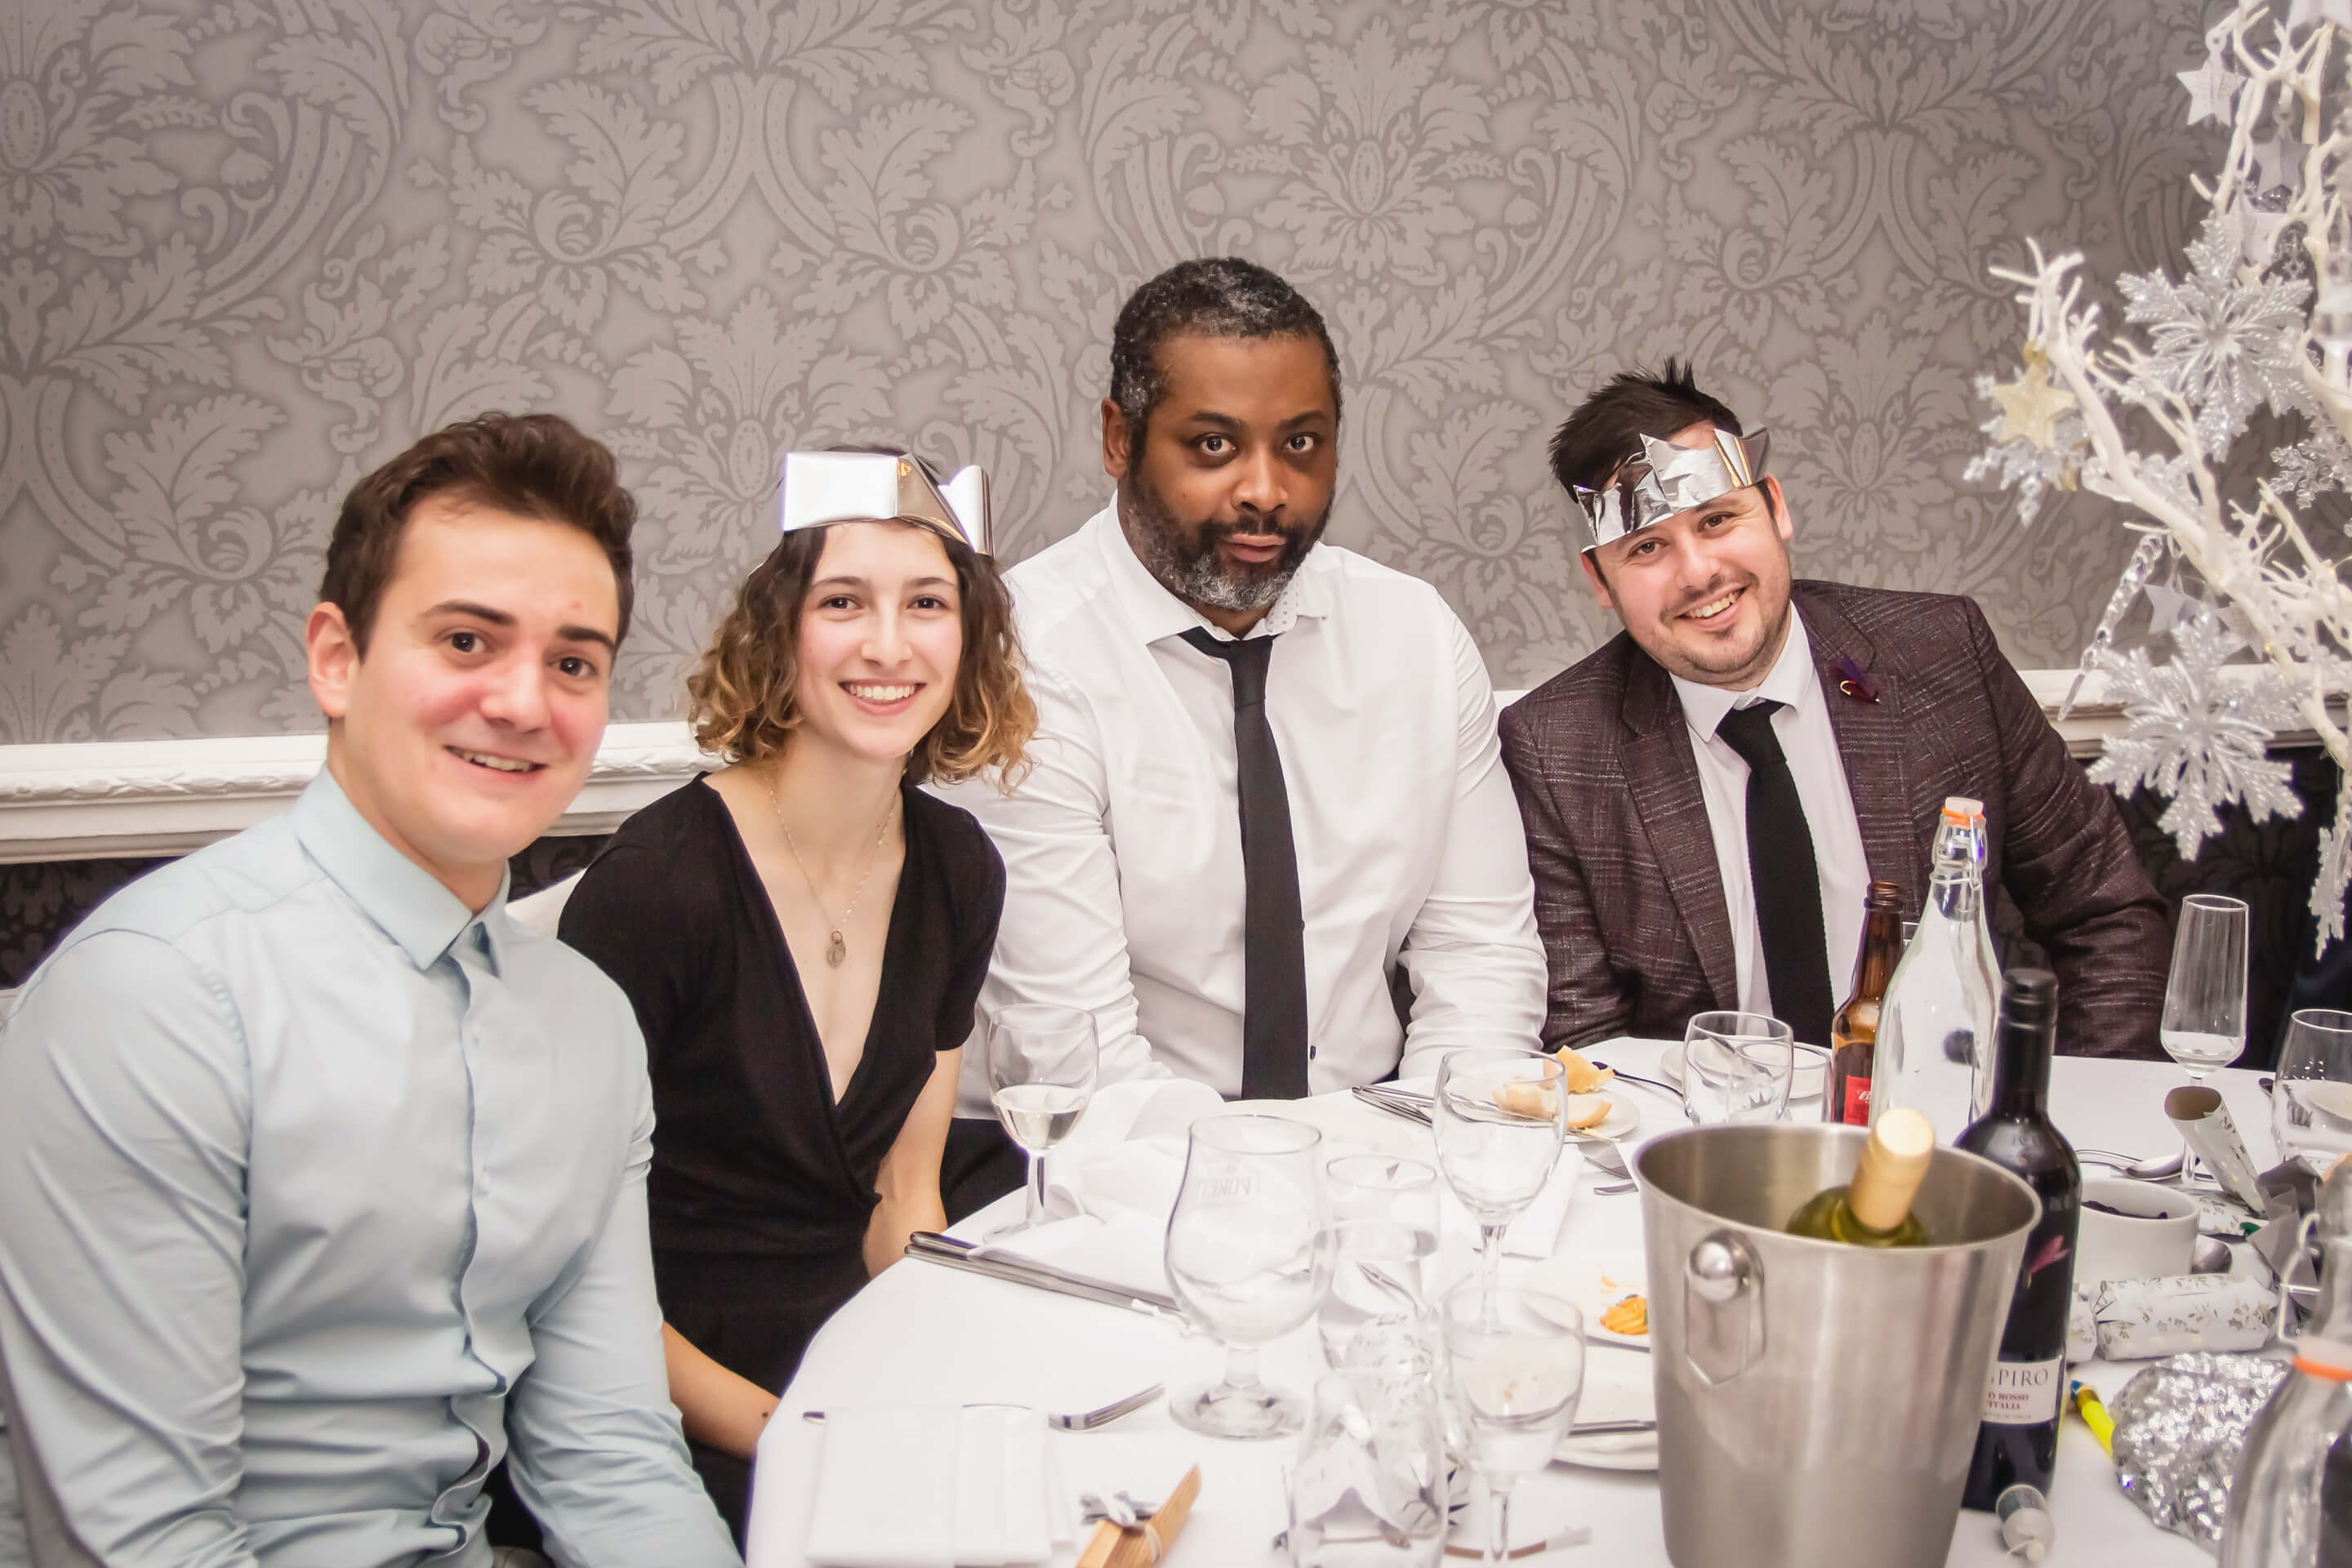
[1855, 1112]
[2024, 1393]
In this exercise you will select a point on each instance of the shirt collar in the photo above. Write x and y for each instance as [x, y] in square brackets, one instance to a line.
[1792, 681]
[406, 900]
[1153, 613]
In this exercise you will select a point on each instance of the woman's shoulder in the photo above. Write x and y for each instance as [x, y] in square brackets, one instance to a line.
[666, 850]
[965, 852]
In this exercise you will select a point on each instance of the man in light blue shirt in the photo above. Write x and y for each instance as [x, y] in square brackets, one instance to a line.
[322, 1181]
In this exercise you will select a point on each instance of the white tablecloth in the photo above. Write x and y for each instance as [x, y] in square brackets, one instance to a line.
[921, 1334]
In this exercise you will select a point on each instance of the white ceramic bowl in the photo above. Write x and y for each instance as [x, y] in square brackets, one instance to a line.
[2153, 1237]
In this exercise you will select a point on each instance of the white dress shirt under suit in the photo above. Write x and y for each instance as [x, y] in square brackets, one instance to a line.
[315, 1188]
[1122, 850]
[1810, 744]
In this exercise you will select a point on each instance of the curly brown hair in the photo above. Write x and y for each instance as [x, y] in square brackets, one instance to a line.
[744, 694]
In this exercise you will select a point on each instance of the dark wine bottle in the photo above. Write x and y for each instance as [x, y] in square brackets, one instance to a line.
[1854, 1033]
[2018, 1438]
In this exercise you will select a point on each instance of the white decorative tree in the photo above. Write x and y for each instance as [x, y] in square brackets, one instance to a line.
[2152, 422]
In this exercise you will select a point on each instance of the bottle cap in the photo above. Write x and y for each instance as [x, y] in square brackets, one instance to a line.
[1894, 1163]
[1960, 810]
[2028, 996]
[1883, 896]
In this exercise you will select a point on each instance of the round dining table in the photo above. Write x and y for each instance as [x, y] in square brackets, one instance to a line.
[923, 1334]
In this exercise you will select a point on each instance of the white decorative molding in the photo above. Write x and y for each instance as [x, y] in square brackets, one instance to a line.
[130, 798]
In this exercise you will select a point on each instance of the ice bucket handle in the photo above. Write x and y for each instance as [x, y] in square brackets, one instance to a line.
[1722, 1310]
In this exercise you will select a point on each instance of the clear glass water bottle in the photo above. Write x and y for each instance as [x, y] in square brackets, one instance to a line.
[2279, 1515]
[1935, 1026]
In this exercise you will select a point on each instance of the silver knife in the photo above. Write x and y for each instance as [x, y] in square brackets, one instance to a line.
[948, 1253]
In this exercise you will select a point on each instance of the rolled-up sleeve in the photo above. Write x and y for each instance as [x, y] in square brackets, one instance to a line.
[598, 1455]
[1476, 965]
[124, 1110]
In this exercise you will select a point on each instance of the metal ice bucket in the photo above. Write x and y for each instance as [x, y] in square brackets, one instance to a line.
[1817, 1403]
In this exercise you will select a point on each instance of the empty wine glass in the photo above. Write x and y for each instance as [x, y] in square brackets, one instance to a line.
[2204, 1022]
[1737, 1067]
[1249, 1257]
[1383, 1223]
[1041, 1074]
[2311, 1102]
[1499, 1115]
[1515, 1368]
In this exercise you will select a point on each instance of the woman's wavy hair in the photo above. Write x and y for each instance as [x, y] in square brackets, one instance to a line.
[743, 693]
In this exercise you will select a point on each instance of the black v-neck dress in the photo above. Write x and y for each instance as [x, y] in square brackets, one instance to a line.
[762, 1186]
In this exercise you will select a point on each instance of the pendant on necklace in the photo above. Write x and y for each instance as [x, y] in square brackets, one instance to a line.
[835, 950]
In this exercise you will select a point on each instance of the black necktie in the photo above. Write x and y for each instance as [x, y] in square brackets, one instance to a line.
[1274, 946]
[1786, 883]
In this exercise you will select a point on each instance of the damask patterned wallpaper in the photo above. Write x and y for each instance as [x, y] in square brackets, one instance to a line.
[248, 248]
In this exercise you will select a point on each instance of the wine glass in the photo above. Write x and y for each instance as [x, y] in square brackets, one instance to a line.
[1249, 1257]
[1515, 1367]
[1041, 1074]
[2204, 1022]
[1737, 1067]
[2311, 1102]
[1499, 1115]
[1383, 1223]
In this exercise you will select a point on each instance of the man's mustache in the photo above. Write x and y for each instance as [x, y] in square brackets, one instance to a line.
[1263, 523]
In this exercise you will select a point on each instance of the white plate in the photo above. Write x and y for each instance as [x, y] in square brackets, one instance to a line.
[1594, 1282]
[1617, 1384]
[1812, 1068]
[1614, 1451]
[1623, 1118]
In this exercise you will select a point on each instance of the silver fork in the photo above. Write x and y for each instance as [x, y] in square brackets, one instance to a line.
[1076, 1421]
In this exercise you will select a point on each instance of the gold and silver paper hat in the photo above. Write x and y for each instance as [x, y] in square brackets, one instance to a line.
[819, 489]
[1666, 478]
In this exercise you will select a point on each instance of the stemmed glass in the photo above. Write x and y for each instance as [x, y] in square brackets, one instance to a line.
[1249, 1257]
[1737, 1067]
[2311, 1103]
[1383, 1223]
[1041, 1074]
[1515, 1364]
[1499, 1114]
[2204, 1022]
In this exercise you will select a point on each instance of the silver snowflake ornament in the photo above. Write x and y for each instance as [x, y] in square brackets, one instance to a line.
[2311, 467]
[2198, 736]
[2221, 343]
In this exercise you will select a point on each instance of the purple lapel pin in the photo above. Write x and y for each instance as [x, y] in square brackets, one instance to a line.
[1856, 684]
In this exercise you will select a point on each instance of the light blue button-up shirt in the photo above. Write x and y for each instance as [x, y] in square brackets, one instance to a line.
[314, 1189]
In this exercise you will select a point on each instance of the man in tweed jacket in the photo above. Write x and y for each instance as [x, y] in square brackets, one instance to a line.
[1631, 872]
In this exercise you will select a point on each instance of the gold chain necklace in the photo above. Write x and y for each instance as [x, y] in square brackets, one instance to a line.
[837, 948]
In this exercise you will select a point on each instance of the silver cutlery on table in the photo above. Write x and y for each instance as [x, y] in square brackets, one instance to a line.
[2153, 1169]
[1659, 1084]
[1610, 1428]
[948, 1253]
[1396, 1102]
[1076, 1421]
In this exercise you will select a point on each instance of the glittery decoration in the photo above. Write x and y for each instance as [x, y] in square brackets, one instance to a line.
[2179, 1425]
[2029, 405]
[2219, 343]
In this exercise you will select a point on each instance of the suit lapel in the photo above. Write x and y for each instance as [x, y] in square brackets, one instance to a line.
[1663, 777]
[1871, 742]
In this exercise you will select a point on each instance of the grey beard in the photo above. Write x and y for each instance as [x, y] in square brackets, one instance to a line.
[1202, 578]
[1207, 581]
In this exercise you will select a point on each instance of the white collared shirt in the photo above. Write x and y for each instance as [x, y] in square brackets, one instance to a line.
[1122, 850]
[1810, 744]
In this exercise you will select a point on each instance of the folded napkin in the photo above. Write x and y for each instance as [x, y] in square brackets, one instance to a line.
[1536, 1233]
[931, 1485]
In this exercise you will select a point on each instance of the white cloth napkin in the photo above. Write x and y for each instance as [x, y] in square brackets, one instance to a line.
[932, 1486]
[1536, 1233]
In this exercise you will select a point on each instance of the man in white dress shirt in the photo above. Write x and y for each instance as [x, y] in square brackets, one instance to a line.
[1267, 774]
[1709, 796]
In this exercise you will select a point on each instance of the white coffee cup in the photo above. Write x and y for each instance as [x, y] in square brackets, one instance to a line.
[2153, 1237]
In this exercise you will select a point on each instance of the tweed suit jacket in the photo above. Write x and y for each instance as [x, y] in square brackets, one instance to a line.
[1629, 898]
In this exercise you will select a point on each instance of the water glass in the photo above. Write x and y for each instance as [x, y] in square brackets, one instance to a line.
[1514, 1370]
[2311, 1101]
[1383, 1223]
[1369, 1489]
[1249, 1258]
[2204, 1021]
[1737, 1067]
[1499, 1116]
[1041, 1074]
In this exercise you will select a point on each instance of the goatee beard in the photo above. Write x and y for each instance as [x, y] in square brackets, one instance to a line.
[1198, 575]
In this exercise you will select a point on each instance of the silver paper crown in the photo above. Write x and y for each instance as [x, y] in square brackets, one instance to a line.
[819, 489]
[1666, 478]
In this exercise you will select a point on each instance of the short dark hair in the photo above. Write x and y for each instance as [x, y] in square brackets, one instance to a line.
[1607, 428]
[532, 465]
[1211, 297]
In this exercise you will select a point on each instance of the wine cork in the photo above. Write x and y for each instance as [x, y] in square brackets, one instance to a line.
[1894, 1163]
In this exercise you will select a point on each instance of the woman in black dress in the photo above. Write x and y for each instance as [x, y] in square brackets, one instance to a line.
[804, 936]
